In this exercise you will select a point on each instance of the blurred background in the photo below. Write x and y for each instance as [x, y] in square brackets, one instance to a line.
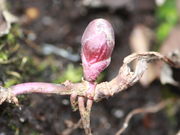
[40, 41]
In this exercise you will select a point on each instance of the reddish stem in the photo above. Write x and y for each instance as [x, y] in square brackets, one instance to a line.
[91, 90]
[37, 87]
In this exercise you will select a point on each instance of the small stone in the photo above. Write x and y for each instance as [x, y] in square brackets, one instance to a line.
[2, 133]
[118, 113]
[65, 102]
[21, 119]
[32, 36]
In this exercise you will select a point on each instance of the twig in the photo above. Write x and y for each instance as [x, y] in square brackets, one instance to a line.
[151, 109]
[85, 114]
[122, 81]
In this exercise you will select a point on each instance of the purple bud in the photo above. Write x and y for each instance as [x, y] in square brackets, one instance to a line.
[97, 46]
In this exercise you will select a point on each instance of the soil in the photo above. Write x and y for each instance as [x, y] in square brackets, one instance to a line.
[61, 23]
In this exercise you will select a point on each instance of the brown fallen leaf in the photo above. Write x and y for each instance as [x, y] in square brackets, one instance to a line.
[6, 19]
[140, 41]
[4, 26]
[171, 49]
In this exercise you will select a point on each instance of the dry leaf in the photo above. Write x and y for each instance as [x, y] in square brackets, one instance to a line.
[6, 18]
[171, 49]
[4, 25]
[166, 75]
[140, 41]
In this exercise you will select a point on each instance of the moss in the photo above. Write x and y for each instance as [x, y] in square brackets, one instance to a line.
[71, 73]
[167, 17]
